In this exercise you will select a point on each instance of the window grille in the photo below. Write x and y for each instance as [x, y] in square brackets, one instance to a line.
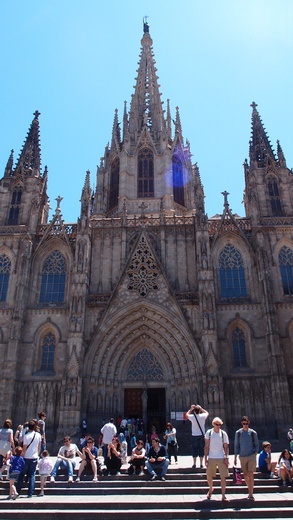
[145, 177]
[286, 269]
[5, 269]
[53, 279]
[232, 274]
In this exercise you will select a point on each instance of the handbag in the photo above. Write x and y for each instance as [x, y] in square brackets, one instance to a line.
[4, 447]
[237, 477]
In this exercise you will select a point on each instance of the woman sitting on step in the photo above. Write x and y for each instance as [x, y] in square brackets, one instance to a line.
[113, 460]
[286, 467]
[137, 460]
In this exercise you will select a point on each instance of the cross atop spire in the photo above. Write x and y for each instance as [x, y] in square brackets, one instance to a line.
[146, 27]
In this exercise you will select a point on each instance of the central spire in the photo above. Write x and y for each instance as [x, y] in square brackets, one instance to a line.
[146, 106]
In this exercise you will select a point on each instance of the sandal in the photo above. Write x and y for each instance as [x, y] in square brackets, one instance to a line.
[209, 495]
[225, 499]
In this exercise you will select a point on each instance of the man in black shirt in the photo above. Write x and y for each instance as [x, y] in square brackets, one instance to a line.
[157, 458]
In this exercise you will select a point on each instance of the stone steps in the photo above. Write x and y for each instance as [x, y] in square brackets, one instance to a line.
[181, 496]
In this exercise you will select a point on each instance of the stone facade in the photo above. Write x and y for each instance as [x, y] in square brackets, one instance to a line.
[146, 305]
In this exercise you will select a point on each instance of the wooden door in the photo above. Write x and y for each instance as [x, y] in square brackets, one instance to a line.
[133, 402]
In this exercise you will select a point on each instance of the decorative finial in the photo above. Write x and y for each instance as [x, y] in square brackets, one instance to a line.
[146, 27]
[225, 193]
[253, 105]
[58, 199]
[37, 114]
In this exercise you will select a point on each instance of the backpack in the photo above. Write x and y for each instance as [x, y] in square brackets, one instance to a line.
[210, 433]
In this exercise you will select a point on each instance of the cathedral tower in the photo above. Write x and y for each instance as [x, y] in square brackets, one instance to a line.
[146, 167]
[268, 181]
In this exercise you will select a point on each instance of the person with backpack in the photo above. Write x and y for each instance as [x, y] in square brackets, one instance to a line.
[246, 447]
[31, 450]
[216, 453]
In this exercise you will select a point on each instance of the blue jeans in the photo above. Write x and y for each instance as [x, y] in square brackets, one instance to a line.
[29, 469]
[68, 464]
[162, 465]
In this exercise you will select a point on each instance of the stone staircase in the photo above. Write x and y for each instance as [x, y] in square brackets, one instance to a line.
[181, 496]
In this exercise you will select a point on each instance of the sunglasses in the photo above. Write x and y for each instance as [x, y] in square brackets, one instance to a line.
[245, 423]
[217, 424]
[89, 442]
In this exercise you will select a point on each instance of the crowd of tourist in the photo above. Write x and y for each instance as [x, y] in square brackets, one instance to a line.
[24, 453]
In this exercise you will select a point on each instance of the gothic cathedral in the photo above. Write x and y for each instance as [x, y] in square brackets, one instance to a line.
[146, 305]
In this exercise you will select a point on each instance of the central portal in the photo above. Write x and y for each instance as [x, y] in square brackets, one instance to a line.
[149, 405]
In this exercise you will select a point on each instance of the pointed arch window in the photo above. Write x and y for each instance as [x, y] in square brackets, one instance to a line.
[5, 269]
[145, 173]
[145, 367]
[232, 274]
[48, 352]
[239, 348]
[53, 279]
[274, 196]
[13, 217]
[114, 183]
[286, 269]
[178, 186]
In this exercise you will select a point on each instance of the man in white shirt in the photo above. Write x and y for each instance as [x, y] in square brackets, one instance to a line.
[217, 456]
[108, 431]
[31, 450]
[197, 416]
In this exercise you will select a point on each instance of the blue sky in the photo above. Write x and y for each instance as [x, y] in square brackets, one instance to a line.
[75, 61]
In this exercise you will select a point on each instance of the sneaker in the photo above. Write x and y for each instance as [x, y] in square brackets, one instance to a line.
[94, 479]
[176, 461]
[194, 466]
[30, 496]
[70, 480]
[15, 496]
[154, 477]
[141, 474]
[163, 478]
[9, 497]
[41, 494]
[52, 479]
[284, 483]
[77, 479]
[118, 473]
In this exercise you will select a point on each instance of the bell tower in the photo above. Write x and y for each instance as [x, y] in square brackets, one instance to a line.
[268, 181]
[23, 189]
